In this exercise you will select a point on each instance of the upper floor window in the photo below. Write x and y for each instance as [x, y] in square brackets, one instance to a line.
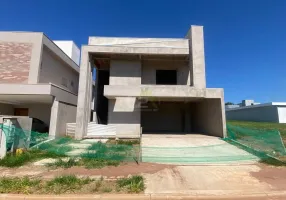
[166, 77]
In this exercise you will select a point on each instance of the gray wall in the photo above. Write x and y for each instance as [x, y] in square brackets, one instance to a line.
[40, 111]
[61, 113]
[6, 109]
[127, 122]
[122, 111]
[125, 72]
[259, 114]
[207, 117]
[168, 117]
[149, 68]
[54, 70]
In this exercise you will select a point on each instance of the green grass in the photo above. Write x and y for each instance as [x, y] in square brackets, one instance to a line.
[262, 126]
[67, 183]
[134, 184]
[70, 184]
[18, 185]
[88, 163]
[11, 160]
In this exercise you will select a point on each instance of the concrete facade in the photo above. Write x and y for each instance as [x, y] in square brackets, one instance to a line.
[267, 112]
[37, 75]
[131, 66]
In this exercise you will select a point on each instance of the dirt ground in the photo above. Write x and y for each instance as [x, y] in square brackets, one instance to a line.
[111, 172]
[171, 179]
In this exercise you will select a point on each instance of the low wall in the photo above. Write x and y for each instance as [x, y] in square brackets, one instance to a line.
[258, 114]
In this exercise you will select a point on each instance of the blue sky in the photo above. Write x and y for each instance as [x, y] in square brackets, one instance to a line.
[245, 41]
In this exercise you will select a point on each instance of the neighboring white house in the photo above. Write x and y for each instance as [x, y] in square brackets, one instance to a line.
[266, 112]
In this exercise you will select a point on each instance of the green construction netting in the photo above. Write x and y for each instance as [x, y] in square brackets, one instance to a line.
[263, 142]
[17, 138]
[242, 144]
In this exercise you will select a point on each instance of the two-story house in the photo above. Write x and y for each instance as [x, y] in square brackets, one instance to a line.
[149, 85]
[37, 79]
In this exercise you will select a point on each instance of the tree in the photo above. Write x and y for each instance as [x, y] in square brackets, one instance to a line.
[229, 103]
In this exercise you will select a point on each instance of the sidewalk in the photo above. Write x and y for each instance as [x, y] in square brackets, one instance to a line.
[275, 195]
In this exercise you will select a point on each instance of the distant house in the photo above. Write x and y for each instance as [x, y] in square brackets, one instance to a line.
[266, 112]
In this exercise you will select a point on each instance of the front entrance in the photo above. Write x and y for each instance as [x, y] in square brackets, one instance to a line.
[21, 111]
[165, 117]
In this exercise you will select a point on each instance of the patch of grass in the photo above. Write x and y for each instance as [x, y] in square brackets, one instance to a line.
[90, 163]
[134, 184]
[63, 184]
[63, 164]
[11, 160]
[272, 161]
[124, 142]
[106, 190]
[262, 126]
[18, 185]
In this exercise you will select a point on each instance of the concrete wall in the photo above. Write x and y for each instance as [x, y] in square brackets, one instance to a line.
[207, 117]
[125, 117]
[258, 114]
[54, 70]
[197, 56]
[125, 72]
[162, 117]
[70, 49]
[40, 111]
[6, 109]
[149, 71]
[61, 114]
[282, 114]
[15, 60]
[139, 42]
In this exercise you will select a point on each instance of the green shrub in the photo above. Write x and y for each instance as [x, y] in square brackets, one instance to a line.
[134, 184]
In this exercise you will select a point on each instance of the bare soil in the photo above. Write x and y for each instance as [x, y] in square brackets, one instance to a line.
[110, 172]
[120, 171]
[274, 176]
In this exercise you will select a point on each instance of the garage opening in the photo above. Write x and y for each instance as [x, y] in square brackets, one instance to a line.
[199, 116]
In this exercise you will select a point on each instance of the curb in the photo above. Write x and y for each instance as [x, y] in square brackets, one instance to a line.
[141, 196]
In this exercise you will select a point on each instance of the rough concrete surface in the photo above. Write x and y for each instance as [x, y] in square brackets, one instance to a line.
[192, 149]
[206, 180]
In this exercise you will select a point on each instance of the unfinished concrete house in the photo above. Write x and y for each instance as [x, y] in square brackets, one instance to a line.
[148, 85]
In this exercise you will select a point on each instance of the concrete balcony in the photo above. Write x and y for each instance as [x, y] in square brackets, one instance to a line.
[161, 91]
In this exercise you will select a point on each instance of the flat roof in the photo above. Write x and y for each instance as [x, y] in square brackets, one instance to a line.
[259, 105]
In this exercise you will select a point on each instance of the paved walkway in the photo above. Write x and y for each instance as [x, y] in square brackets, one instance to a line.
[192, 149]
[261, 196]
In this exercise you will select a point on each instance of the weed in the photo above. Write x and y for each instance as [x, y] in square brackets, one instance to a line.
[65, 183]
[90, 163]
[128, 142]
[17, 185]
[106, 190]
[134, 184]
[64, 164]
[11, 160]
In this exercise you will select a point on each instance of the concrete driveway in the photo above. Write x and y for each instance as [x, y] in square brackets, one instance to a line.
[192, 149]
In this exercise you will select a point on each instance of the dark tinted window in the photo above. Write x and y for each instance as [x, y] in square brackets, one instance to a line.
[166, 77]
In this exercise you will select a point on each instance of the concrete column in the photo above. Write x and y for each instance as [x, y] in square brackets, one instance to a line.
[53, 120]
[61, 114]
[197, 56]
[83, 95]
